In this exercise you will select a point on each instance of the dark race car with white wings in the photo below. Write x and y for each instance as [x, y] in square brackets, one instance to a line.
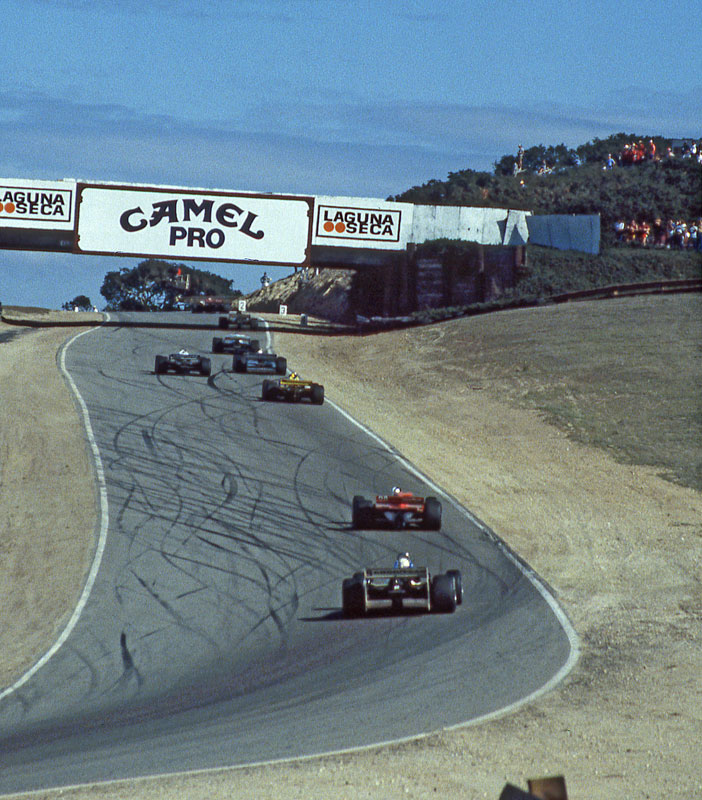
[402, 587]
[260, 362]
[235, 344]
[182, 363]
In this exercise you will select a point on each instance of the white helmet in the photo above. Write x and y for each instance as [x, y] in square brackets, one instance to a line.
[404, 560]
[396, 490]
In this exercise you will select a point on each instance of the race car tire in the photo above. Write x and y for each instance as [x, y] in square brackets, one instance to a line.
[458, 582]
[205, 366]
[317, 394]
[160, 365]
[223, 322]
[255, 345]
[217, 345]
[353, 599]
[360, 512]
[432, 514]
[239, 364]
[254, 323]
[443, 594]
[281, 365]
[266, 390]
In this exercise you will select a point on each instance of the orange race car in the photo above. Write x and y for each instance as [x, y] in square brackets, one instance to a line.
[397, 510]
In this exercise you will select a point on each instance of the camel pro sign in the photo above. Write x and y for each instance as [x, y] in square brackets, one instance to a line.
[206, 225]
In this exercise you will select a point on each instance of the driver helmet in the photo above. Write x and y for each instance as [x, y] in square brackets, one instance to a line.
[183, 352]
[396, 490]
[294, 376]
[403, 560]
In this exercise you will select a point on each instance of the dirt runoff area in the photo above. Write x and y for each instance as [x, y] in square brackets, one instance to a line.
[538, 421]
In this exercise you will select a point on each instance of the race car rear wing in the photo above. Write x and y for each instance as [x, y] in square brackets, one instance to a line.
[388, 573]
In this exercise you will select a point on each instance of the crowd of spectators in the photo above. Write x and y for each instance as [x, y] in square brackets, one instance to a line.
[672, 235]
[639, 152]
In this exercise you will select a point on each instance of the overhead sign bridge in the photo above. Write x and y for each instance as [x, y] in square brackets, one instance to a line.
[365, 234]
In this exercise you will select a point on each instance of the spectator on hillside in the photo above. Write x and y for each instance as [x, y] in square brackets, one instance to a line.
[631, 232]
[619, 230]
[643, 233]
[651, 150]
[610, 163]
[520, 158]
[658, 233]
[677, 235]
[669, 152]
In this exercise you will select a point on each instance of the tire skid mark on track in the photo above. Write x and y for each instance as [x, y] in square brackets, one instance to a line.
[231, 525]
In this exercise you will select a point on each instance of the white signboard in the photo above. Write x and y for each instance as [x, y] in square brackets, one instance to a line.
[282, 310]
[190, 224]
[359, 222]
[37, 204]
[242, 306]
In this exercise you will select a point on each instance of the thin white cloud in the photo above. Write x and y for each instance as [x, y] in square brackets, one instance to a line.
[315, 145]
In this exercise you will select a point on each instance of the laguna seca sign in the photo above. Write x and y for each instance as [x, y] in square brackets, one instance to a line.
[366, 224]
[211, 226]
[36, 204]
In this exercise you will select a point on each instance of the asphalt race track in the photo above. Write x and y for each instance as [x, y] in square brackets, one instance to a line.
[213, 633]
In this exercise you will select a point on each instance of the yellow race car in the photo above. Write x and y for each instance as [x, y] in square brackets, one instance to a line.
[293, 389]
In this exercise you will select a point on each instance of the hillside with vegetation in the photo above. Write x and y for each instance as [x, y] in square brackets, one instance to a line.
[576, 181]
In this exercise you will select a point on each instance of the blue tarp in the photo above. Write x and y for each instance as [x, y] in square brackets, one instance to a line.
[566, 231]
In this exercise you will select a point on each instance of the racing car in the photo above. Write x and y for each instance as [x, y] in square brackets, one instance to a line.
[401, 588]
[398, 510]
[239, 320]
[208, 305]
[235, 344]
[293, 389]
[260, 362]
[182, 363]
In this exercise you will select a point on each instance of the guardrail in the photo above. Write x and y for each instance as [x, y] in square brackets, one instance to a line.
[628, 289]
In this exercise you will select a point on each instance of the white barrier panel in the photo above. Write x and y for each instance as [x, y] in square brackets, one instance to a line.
[191, 224]
[516, 229]
[486, 226]
[566, 231]
[37, 204]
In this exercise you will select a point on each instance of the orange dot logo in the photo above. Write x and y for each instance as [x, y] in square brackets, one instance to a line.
[8, 207]
[328, 227]
[340, 227]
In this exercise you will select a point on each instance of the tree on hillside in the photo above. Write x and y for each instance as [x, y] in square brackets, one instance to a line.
[155, 285]
[81, 302]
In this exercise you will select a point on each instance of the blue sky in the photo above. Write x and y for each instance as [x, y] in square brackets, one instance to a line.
[332, 97]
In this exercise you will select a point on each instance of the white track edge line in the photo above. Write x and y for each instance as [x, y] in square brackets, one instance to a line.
[102, 536]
